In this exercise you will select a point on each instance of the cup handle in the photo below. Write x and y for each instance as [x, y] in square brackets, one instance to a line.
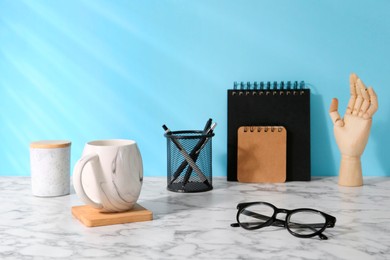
[77, 179]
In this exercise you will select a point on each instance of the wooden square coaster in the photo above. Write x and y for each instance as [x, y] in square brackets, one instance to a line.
[92, 217]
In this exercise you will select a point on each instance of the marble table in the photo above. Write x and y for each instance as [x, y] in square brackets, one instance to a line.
[197, 225]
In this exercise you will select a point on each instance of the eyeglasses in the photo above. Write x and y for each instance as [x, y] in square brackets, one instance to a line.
[303, 223]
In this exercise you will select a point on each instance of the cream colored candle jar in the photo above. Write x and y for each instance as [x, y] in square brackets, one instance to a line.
[50, 168]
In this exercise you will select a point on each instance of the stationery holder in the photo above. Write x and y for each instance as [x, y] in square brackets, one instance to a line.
[189, 169]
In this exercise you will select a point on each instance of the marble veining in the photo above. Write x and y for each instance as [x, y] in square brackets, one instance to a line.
[197, 225]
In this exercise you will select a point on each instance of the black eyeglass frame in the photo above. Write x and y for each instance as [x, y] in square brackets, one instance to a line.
[330, 221]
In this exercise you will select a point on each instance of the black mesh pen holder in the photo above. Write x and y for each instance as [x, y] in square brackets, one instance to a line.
[189, 161]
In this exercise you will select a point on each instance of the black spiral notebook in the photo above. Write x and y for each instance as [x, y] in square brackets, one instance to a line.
[279, 103]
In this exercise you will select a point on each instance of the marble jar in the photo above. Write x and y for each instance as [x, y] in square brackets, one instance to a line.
[50, 168]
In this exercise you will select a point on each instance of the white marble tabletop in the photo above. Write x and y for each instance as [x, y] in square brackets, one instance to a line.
[197, 225]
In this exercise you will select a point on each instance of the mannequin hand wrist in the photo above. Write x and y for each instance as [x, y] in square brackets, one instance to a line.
[350, 158]
[350, 171]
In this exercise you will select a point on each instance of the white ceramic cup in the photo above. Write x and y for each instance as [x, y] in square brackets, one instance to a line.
[109, 175]
[50, 167]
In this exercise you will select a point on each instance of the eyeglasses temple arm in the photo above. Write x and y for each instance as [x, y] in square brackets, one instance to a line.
[277, 222]
[312, 226]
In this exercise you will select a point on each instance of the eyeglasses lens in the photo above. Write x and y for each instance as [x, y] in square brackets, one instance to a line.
[306, 222]
[254, 216]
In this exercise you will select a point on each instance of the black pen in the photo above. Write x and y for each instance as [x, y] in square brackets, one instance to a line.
[209, 131]
[188, 158]
[183, 165]
[197, 152]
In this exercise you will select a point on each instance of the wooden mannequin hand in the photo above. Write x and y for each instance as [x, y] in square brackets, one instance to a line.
[352, 131]
[352, 136]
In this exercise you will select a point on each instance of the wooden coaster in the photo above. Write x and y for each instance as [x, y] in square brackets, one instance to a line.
[92, 217]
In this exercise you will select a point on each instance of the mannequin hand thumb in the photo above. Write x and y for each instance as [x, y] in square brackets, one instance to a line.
[334, 114]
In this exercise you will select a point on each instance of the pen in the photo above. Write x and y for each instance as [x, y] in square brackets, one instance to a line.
[195, 157]
[188, 158]
[183, 165]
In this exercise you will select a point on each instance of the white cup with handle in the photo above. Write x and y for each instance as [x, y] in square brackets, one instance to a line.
[109, 175]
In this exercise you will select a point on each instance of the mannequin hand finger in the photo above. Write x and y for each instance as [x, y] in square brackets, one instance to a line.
[364, 108]
[350, 106]
[366, 98]
[352, 90]
[359, 99]
[374, 104]
[352, 83]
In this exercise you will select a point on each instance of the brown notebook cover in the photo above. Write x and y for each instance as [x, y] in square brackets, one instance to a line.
[261, 154]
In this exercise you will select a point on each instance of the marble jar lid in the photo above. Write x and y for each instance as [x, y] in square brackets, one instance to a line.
[48, 144]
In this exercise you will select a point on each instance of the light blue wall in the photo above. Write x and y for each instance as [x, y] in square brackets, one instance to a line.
[85, 70]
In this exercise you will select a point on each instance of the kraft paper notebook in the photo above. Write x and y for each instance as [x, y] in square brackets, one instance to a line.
[261, 154]
[279, 103]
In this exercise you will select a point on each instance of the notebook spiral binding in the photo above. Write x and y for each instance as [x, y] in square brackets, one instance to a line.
[262, 128]
[261, 88]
